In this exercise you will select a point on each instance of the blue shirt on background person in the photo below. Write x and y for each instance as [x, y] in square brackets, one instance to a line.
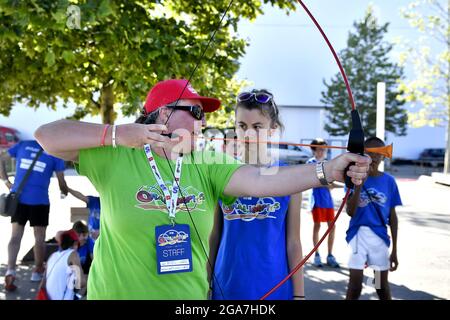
[35, 191]
[94, 214]
[384, 193]
[321, 196]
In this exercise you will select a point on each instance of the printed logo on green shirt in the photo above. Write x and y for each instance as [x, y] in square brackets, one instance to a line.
[152, 198]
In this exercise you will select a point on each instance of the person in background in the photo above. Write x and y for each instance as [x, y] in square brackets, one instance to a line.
[371, 207]
[63, 274]
[34, 204]
[322, 208]
[86, 245]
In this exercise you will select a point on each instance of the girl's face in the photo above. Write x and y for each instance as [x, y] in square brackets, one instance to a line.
[253, 125]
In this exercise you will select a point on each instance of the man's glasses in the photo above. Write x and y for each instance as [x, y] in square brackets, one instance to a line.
[260, 97]
[195, 110]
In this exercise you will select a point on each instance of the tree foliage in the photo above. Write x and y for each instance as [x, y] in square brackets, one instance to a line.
[430, 86]
[366, 62]
[117, 50]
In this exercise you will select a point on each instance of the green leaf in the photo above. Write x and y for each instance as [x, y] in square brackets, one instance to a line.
[68, 56]
[50, 58]
[59, 16]
[104, 9]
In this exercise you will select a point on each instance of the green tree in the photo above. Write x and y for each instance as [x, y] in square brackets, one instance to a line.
[366, 62]
[430, 88]
[102, 54]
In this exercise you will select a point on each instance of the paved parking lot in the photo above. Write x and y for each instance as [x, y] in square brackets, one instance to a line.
[423, 245]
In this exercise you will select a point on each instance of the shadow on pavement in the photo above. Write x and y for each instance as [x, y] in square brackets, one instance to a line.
[427, 219]
[26, 289]
[317, 288]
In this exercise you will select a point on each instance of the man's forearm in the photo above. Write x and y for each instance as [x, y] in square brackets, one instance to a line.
[250, 181]
[63, 137]
[288, 180]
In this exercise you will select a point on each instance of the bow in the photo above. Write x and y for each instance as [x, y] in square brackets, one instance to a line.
[355, 145]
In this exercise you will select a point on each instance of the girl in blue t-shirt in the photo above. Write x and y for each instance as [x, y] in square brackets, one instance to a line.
[257, 241]
[372, 207]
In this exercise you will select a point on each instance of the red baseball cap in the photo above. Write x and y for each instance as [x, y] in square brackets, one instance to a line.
[169, 91]
[69, 233]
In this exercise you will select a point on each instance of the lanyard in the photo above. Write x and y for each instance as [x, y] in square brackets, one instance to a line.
[170, 200]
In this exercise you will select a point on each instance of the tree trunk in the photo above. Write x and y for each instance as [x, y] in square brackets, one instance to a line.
[107, 105]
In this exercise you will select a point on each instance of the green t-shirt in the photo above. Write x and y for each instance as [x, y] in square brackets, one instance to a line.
[124, 265]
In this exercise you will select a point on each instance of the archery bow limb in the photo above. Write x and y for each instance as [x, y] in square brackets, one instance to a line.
[355, 144]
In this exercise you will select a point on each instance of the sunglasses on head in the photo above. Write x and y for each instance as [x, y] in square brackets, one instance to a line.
[261, 97]
[195, 110]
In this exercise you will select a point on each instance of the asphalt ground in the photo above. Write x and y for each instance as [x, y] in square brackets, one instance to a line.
[423, 244]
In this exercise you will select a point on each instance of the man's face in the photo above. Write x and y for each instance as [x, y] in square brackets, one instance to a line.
[183, 123]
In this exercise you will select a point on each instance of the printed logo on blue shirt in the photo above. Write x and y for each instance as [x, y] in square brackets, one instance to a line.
[376, 196]
[263, 209]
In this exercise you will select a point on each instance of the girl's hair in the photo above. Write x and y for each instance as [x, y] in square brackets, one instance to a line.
[268, 109]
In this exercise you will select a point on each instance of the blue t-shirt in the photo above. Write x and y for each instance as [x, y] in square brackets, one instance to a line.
[384, 193]
[321, 196]
[35, 191]
[252, 256]
[94, 213]
[86, 250]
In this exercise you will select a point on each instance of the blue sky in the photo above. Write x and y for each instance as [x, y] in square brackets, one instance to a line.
[288, 56]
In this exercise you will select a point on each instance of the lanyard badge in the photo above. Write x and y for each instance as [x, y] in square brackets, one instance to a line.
[173, 242]
[170, 200]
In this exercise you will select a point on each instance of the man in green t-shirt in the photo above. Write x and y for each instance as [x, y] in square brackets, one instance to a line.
[154, 230]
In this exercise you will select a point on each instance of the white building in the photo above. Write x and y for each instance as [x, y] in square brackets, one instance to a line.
[304, 123]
